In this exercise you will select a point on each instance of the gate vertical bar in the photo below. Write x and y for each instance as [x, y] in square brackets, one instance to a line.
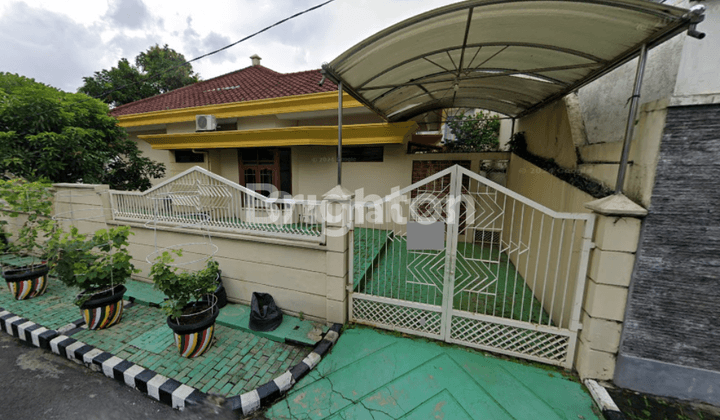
[351, 257]
[451, 239]
[575, 325]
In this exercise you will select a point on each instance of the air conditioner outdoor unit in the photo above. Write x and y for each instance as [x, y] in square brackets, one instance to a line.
[205, 123]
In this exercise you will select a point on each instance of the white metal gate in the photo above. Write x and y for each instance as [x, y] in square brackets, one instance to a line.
[510, 278]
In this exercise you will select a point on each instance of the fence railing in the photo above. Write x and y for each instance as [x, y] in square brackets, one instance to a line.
[199, 196]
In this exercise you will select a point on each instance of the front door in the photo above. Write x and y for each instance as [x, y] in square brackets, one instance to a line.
[265, 170]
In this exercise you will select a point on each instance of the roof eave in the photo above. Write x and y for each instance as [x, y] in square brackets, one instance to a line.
[287, 104]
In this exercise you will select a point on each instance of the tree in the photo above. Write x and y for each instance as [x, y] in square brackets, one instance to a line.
[49, 134]
[475, 132]
[164, 69]
[157, 70]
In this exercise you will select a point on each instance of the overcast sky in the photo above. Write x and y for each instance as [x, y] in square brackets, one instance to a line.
[57, 42]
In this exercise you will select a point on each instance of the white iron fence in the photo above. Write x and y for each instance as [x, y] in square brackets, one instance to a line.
[508, 274]
[225, 206]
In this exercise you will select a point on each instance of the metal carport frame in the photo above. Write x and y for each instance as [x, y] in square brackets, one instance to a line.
[508, 56]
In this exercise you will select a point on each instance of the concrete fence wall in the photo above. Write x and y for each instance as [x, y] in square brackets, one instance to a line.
[302, 277]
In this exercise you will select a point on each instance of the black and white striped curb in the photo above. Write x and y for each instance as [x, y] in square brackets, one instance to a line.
[165, 390]
[608, 407]
[252, 401]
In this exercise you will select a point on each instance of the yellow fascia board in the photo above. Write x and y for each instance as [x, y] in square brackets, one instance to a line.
[299, 103]
[359, 134]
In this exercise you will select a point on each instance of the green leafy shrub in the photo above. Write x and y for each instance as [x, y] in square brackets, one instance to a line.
[477, 132]
[180, 286]
[92, 262]
[33, 202]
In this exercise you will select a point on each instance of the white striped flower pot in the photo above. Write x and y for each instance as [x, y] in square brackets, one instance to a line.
[195, 338]
[27, 282]
[103, 310]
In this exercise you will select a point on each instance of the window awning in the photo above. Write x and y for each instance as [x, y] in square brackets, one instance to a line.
[512, 57]
[360, 134]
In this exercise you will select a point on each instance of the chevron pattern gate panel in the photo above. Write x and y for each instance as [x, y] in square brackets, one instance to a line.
[510, 279]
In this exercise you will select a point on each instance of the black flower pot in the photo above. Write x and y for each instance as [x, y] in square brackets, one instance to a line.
[27, 282]
[193, 339]
[104, 308]
[220, 294]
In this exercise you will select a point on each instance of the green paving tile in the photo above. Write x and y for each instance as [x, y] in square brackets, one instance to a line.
[358, 379]
[440, 406]
[403, 378]
[238, 316]
[354, 347]
[143, 292]
[562, 394]
[154, 341]
[392, 270]
[368, 245]
[54, 309]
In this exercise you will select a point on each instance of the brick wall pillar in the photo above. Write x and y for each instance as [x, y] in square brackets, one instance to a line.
[337, 211]
[611, 263]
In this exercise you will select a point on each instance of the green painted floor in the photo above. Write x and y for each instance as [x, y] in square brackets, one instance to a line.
[374, 375]
[236, 316]
[384, 267]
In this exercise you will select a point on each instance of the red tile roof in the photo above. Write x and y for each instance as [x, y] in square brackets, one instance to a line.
[248, 84]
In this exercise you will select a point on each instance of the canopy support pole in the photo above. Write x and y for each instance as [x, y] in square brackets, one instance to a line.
[340, 116]
[632, 116]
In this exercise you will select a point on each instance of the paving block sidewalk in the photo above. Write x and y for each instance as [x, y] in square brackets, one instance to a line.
[238, 361]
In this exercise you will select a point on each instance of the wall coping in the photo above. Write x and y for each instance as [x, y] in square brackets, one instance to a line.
[220, 234]
[617, 205]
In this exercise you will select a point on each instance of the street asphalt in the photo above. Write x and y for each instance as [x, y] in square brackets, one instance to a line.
[37, 384]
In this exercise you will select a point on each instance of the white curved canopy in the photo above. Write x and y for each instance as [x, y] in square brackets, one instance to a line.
[508, 56]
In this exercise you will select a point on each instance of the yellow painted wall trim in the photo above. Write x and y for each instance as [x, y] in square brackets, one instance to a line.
[360, 134]
[299, 103]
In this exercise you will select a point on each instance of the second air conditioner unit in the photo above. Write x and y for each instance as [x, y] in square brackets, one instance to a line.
[205, 123]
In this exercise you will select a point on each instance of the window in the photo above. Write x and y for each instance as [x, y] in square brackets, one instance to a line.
[362, 154]
[188, 156]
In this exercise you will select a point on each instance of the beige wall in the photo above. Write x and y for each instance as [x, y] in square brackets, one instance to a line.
[558, 132]
[302, 277]
[550, 268]
[600, 160]
[549, 134]
[296, 276]
[315, 170]
[85, 206]
[544, 188]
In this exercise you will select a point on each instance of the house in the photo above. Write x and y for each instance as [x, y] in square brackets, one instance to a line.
[651, 305]
[633, 277]
[278, 129]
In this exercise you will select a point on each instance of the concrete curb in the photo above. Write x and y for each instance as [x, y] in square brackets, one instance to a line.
[163, 389]
[603, 400]
[252, 401]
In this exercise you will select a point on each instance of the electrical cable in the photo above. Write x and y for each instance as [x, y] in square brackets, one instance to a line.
[280, 22]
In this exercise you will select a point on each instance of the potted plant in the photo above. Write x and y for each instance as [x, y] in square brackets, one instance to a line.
[99, 264]
[191, 306]
[31, 202]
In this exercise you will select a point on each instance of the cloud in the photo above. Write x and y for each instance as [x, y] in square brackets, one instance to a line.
[131, 14]
[60, 42]
[197, 45]
[47, 46]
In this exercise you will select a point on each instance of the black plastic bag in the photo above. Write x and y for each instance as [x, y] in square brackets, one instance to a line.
[264, 314]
